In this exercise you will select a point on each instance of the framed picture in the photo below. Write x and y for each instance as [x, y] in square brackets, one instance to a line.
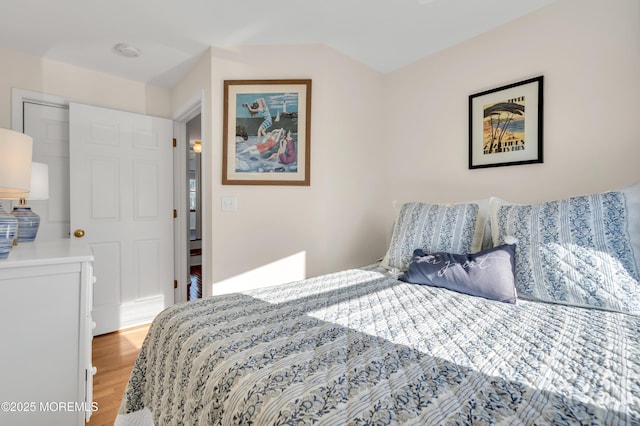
[266, 132]
[505, 125]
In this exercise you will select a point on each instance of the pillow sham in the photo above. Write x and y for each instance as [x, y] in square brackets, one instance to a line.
[581, 250]
[488, 273]
[455, 228]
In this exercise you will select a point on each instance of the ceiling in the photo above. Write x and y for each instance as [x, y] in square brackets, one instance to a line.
[171, 34]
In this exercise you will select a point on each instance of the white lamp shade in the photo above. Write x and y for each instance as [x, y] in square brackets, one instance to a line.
[39, 182]
[15, 164]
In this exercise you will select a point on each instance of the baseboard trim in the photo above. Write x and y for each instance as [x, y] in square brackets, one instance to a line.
[109, 318]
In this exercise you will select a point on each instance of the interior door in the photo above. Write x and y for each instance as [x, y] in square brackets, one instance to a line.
[121, 190]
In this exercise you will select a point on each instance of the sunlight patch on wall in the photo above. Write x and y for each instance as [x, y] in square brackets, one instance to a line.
[287, 269]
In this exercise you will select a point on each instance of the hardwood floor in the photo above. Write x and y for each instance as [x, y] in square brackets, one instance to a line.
[194, 291]
[113, 356]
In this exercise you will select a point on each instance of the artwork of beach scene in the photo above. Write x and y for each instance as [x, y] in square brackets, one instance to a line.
[503, 126]
[266, 132]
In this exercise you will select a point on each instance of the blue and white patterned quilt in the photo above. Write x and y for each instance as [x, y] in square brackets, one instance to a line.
[360, 347]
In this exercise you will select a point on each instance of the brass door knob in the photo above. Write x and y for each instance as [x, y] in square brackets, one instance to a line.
[78, 233]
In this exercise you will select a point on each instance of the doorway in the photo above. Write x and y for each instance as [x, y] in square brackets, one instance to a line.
[188, 128]
[194, 171]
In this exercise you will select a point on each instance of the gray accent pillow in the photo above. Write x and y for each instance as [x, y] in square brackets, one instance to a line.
[487, 273]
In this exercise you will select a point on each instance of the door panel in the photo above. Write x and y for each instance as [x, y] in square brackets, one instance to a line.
[122, 197]
[146, 176]
[107, 295]
[148, 255]
[104, 190]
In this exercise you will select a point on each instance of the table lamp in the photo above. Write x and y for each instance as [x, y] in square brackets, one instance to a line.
[15, 181]
[29, 221]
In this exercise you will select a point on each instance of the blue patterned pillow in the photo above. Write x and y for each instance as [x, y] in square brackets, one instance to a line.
[582, 250]
[454, 228]
[488, 273]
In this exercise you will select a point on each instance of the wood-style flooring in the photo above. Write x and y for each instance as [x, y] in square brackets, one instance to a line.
[113, 356]
[194, 290]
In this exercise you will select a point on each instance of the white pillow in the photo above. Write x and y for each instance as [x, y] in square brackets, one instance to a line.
[453, 228]
[581, 250]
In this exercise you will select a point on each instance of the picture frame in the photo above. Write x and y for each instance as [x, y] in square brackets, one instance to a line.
[267, 132]
[505, 125]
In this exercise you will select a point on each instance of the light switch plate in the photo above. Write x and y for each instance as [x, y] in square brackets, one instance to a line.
[229, 204]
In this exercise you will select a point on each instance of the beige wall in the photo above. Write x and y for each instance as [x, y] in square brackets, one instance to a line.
[589, 54]
[282, 233]
[78, 84]
[376, 138]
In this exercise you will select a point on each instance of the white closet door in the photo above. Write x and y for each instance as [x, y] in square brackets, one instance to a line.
[121, 183]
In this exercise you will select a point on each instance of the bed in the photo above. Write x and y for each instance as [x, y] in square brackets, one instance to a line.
[415, 339]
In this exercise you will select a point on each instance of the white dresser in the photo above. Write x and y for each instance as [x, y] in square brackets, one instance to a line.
[46, 293]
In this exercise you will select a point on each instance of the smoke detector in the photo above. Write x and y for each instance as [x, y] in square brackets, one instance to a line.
[126, 50]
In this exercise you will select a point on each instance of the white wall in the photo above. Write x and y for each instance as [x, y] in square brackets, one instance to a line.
[283, 233]
[278, 233]
[28, 72]
[375, 138]
[589, 54]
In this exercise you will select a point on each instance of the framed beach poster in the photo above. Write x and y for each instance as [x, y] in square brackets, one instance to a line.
[266, 132]
[505, 125]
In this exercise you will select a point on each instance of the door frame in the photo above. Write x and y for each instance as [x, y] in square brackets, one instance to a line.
[191, 109]
[18, 96]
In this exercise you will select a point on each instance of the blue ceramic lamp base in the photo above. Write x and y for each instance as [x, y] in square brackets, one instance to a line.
[28, 222]
[8, 228]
